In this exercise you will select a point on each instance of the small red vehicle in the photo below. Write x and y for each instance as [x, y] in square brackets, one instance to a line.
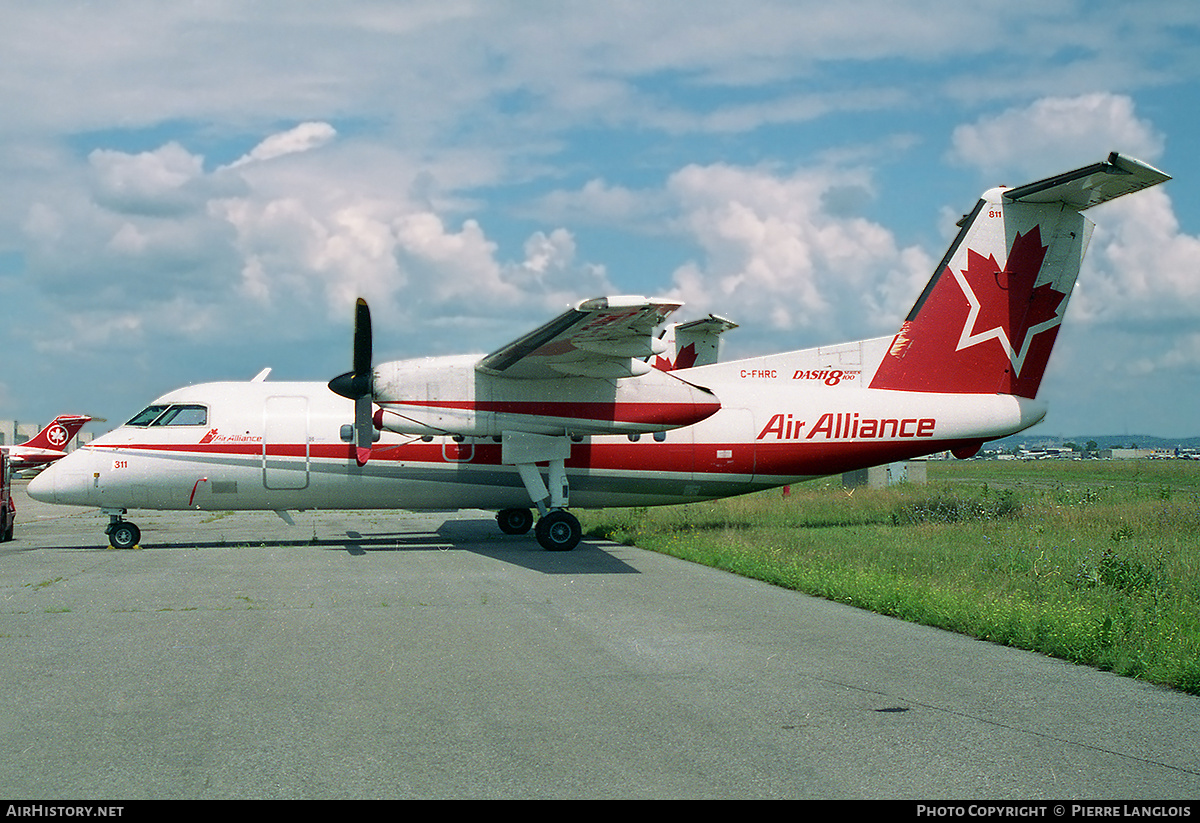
[8, 513]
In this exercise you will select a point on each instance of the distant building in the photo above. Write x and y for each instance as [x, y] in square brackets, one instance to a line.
[1136, 454]
[878, 477]
[13, 433]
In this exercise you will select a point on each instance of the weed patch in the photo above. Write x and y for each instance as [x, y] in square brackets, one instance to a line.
[957, 509]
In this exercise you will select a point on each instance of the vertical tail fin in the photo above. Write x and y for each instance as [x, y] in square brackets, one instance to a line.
[988, 318]
[58, 433]
[697, 343]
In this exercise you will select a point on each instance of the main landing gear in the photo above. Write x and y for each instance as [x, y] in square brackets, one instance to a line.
[515, 521]
[556, 531]
[121, 533]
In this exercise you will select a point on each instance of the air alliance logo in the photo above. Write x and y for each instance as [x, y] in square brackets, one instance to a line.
[846, 426]
[215, 436]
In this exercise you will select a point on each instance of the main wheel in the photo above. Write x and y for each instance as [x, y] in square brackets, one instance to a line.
[558, 531]
[124, 535]
[515, 521]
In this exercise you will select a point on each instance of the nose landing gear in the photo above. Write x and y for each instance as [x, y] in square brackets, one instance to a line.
[121, 533]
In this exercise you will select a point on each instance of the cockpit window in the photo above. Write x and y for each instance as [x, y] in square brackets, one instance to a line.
[146, 416]
[180, 414]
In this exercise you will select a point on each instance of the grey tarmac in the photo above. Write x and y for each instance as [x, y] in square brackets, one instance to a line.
[401, 655]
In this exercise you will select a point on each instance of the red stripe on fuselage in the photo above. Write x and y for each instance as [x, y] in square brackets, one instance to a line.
[763, 459]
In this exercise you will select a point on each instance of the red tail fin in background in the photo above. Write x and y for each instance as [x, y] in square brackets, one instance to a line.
[58, 433]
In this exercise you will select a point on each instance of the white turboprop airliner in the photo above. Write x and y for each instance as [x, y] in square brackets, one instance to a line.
[613, 413]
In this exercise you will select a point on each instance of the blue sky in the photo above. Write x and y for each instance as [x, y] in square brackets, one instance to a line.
[193, 192]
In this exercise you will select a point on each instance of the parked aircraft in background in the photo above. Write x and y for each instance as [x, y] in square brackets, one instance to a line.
[581, 399]
[48, 445]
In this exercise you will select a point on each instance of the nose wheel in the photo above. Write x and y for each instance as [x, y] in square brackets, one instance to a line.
[121, 533]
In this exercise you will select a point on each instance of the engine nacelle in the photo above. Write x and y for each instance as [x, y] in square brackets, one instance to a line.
[435, 396]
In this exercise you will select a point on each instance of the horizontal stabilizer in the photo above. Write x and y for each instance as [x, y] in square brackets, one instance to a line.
[1091, 185]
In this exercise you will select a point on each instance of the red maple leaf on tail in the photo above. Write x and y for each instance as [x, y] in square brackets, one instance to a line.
[980, 329]
[1005, 304]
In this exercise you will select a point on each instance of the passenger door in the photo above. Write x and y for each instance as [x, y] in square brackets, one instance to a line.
[285, 443]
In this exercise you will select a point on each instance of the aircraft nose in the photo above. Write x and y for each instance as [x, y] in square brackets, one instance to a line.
[41, 487]
[65, 481]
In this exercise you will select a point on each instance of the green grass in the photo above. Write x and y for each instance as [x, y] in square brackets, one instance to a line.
[1096, 562]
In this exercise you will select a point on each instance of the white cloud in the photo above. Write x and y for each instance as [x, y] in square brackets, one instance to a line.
[1140, 266]
[260, 248]
[305, 137]
[604, 202]
[775, 254]
[1052, 134]
[152, 183]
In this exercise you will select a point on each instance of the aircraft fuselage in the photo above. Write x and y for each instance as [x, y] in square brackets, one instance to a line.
[286, 446]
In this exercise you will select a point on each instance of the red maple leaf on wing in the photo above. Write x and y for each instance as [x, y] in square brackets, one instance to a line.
[1004, 303]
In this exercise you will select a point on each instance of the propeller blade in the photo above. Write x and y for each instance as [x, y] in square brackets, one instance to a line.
[357, 382]
[364, 429]
[357, 385]
[362, 338]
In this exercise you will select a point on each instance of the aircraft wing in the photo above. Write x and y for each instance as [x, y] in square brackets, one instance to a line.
[606, 337]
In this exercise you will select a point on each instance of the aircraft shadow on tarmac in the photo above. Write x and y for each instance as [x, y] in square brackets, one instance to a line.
[589, 557]
[586, 558]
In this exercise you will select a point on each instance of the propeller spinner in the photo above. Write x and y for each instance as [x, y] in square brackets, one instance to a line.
[356, 384]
